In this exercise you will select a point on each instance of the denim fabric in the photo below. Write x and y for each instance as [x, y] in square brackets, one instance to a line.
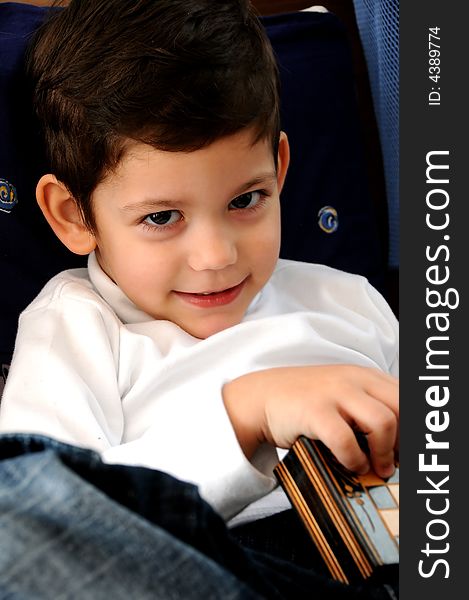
[73, 527]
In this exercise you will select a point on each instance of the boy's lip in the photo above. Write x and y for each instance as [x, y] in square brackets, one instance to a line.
[211, 299]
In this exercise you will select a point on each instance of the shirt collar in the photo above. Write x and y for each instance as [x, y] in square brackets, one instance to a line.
[124, 308]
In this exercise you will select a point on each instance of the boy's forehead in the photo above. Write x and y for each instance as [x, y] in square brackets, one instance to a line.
[239, 146]
[238, 159]
[246, 139]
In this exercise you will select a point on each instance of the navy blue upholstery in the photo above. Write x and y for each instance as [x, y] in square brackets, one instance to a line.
[29, 252]
[319, 114]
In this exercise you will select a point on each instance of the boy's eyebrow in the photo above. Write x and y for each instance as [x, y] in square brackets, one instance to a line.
[161, 203]
[151, 205]
[263, 178]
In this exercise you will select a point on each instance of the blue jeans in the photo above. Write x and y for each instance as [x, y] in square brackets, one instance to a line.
[74, 527]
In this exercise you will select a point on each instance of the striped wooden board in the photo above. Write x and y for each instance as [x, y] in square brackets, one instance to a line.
[353, 520]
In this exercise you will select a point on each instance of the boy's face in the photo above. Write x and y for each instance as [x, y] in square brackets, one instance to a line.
[192, 237]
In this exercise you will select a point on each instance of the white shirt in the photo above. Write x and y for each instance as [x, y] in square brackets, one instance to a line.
[91, 369]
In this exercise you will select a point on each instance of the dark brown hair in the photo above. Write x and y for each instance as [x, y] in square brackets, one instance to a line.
[174, 74]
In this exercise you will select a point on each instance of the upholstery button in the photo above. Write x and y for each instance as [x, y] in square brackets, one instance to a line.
[8, 197]
[328, 220]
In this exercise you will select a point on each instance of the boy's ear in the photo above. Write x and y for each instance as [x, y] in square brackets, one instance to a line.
[63, 215]
[283, 159]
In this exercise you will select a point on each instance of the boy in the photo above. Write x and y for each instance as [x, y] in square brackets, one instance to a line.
[186, 346]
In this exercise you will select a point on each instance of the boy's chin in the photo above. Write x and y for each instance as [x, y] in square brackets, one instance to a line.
[211, 325]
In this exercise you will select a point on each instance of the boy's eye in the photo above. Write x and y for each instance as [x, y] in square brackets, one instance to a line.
[163, 218]
[248, 200]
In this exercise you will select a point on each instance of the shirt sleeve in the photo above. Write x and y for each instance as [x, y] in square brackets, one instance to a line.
[62, 382]
[387, 327]
[191, 438]
[345, 309]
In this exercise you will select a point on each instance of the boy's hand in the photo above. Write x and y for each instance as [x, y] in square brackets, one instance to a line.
[327, 403]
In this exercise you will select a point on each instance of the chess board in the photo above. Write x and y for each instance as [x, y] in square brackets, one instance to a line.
[353, 520]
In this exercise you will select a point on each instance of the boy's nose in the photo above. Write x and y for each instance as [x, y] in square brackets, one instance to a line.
[212, 249]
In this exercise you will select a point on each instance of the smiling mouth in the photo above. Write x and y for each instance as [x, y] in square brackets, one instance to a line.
[212, 299]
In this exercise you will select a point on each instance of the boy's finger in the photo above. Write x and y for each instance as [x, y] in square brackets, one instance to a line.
[380, 426]
[385, 388]
[340, 438]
